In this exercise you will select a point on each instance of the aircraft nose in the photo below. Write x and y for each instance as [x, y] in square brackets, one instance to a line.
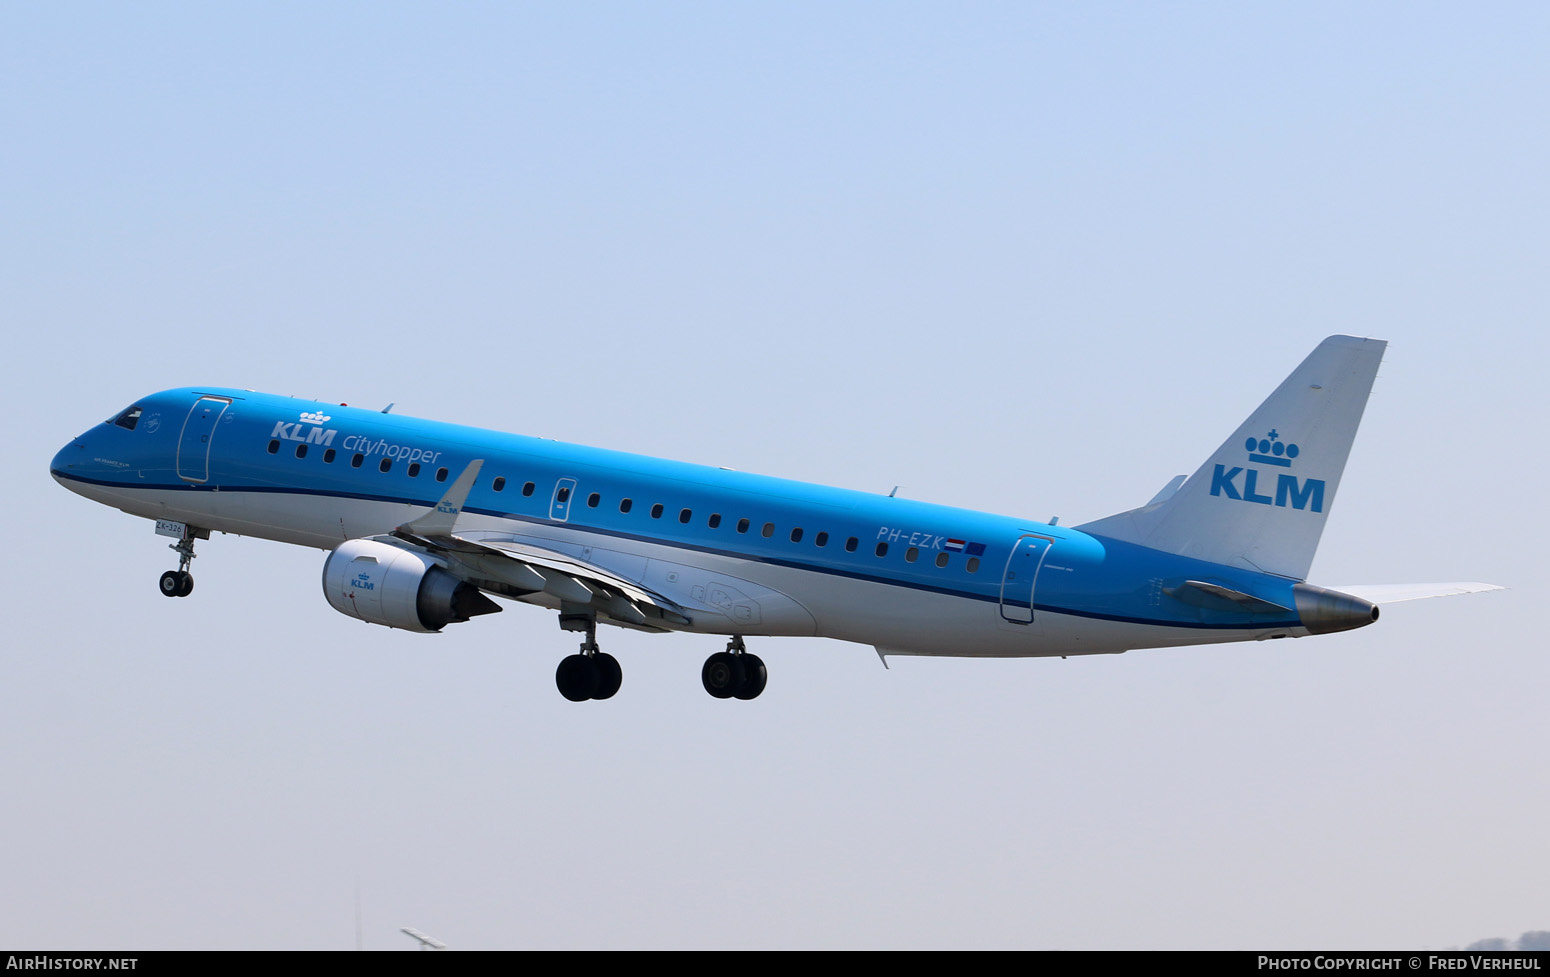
[68, 457]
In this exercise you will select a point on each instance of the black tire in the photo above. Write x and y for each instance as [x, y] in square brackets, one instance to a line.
[186, 583]
[722, 675]
[577, 678]
[609, 676]
[171, 584]
[754, 677]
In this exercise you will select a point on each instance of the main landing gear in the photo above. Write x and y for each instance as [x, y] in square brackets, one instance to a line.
[179, 582]
[734, 673]
[593, 674]
[590, 673]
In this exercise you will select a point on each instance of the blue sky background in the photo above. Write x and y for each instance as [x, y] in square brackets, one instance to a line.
[1029, 258]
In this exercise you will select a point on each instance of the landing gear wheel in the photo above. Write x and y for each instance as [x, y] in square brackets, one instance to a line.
[609, 677]
[754, 677]
[723, 675]
[177, 583]
[588, 674]
[577, 677]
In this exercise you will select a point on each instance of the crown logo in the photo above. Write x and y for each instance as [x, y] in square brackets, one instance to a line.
[1271, 450]
[317, 418]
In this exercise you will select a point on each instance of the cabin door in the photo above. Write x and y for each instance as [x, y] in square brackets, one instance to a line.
[198, 432]
[1017, 581]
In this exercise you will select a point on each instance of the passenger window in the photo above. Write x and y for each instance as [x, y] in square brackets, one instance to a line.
[441, 474]
[593, 500]
[624, 505]
[941, 559]
[973, 565]
[742, 525]
[768, 530]
[414, 470]
[528, 489]
[684, 516]
[850, 544]
[796, 535]
[301, 451]
[715, 520]
[912, 554]
[355, 462]
[562, 494]
[882, 549]
[822, 539]
[656, 511]
[328, 457]
[499, 484]
[385, 464]
[274, 447]
[129, 418]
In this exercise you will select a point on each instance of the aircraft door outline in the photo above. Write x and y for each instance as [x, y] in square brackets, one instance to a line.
[195, 439]
[1020, 578]
[559, 503]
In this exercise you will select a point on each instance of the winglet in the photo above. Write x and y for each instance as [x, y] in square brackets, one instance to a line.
[440, 520]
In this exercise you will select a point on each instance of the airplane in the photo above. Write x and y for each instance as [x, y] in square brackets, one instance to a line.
[425, 522]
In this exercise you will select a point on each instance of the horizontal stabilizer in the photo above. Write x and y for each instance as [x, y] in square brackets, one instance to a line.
[1394, 593]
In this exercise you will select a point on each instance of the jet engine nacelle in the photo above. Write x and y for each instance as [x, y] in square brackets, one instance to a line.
[383, 583]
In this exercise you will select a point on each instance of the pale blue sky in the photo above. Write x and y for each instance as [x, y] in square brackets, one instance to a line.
[1029, 258]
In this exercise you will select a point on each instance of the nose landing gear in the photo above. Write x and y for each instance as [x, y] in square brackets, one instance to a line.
[179, 582]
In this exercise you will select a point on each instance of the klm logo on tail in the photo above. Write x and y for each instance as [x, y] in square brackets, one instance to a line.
[1306, 493]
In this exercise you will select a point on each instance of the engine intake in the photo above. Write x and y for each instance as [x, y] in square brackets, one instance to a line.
[383, 583]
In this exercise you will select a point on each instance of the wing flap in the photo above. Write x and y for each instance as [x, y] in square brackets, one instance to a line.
[533, 569]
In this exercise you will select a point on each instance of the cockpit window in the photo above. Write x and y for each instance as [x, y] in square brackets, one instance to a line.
[129, 418]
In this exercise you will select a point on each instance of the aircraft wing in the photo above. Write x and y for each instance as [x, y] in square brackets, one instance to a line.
[516, 569]
[1393, 593]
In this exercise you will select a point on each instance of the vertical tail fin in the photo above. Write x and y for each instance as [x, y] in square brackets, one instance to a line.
[1260, 500]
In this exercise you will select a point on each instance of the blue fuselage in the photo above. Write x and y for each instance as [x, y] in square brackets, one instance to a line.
[317, 474]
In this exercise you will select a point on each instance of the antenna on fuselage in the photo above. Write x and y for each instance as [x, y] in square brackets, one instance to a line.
[894, 492]
[388, 409]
